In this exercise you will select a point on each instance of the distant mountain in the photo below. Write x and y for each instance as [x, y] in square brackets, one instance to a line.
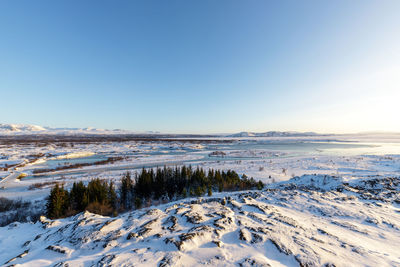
[12, 128]
[15, 130]
[26, 129]
[272, 134]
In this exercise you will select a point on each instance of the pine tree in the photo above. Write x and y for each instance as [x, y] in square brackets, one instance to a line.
[58, 202]
[198, 191]
[184, 193]
[126, 191]
[191, 192]
[77, 197]
[220, 187]
[138, 203]
[112, 196]
[260, 185]
[209, 191]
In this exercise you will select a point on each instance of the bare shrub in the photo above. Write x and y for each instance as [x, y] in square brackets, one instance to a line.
[98, 208]
[17, 211]
[9, 204]
[41, 185]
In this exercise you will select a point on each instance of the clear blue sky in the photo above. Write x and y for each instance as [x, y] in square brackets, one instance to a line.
[201, 66]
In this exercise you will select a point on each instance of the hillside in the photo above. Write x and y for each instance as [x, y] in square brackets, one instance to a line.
[313, 220]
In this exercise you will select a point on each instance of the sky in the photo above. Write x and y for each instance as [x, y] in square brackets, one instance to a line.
[201, 66]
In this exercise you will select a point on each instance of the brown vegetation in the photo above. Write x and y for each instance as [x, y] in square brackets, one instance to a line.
[41, 185]
[79, 165]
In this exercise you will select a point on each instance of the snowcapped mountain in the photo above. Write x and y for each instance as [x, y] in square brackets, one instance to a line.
[26, 129]
[12, 128]
[273, 134]
[313, 220]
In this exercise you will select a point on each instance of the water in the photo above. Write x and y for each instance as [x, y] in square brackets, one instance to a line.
[240, 148]
[54, 163]
[294, 146]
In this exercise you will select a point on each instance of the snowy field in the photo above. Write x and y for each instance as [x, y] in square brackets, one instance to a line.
[330, 200]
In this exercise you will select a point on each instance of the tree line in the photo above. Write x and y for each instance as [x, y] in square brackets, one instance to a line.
[97, 196]
[165, 184]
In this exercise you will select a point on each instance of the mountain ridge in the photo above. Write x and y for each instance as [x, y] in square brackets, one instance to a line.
[273, 134]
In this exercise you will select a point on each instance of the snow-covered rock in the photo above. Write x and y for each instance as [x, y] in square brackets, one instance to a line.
[309, 221]
[314, 182]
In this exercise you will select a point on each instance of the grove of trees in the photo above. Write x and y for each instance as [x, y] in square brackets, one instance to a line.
[164, 184]
[97, 196]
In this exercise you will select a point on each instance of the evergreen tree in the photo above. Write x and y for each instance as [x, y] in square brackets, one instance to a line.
[126, 191]
[112, 196]
[198, 191]
[260, 185]
[184, 193]
[138, 203]
[98, 191]
[57, 203]
[78, 193]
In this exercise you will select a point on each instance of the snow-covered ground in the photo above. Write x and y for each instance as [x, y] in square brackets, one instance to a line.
[308, 221]
[330, 200]
[271, 159]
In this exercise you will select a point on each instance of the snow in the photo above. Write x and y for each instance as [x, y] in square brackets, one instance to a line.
[76, 155]
[326, 202]
[278, 226]
[26, 129]
[11, 128]
[5, 163]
